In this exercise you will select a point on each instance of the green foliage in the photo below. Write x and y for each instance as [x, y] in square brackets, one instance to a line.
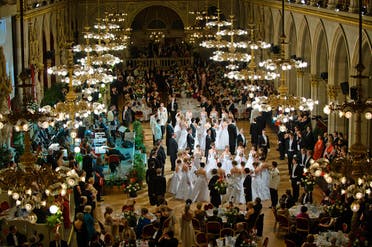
[139, 167]
[55, 219]
[53, 95]
[139, 136]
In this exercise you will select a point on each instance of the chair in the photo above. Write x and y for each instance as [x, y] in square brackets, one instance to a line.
[265, 242]
[196, 224]
[302, 225]
[227, 232]
[148, 231]
[201, 239]
[283, 222]
[326, 223]
[289, 243]
[275, 213]
[213, 229]
[244, 223]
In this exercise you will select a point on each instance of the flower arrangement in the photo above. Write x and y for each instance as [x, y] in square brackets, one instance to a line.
[55, 219]
[132, 187]
[221, 186]
[336, 209]
[308, 181]
[232, 216]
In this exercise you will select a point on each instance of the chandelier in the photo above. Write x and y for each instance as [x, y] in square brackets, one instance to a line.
[157, 36]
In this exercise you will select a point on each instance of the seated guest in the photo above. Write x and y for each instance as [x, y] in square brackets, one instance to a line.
[200, 214]
[214, 217]
[250, 211]
[241, 235]
[282, 210]
[309, 241]
[168, 240]
[303, 213]
[127, 235]
[294, 236]
[287, 199]
[143, 220]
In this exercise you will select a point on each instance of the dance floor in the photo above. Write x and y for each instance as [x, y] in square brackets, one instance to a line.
[116, 198]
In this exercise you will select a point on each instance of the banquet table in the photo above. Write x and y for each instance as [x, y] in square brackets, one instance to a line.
[324, 239]
[313, 210]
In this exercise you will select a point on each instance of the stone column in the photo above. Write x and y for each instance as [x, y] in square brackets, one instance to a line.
[331, 4]
[314, 93]
[332, 117]
[354, 6]
[300, 82]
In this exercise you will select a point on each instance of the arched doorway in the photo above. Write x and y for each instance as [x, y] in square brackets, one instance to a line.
[156, 24]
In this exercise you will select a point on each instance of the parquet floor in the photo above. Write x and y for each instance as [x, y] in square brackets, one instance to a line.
[116, 199]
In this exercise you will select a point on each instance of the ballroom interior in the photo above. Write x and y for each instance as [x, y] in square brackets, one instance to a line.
[334, 37]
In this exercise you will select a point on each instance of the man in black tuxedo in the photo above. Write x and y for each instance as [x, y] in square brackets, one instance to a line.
[302, 157]
[208, 142]
[240, 139]
[213, 132]
[231, 129]
[190, 140]
[169, 131]
[126, 116]
[295, 176]
[282, 136]
[160, 155]
[193, 128]
[290, 149]
[263, 142]
[172, 108]
[214, 194]
[247, 185]
[215, 217]
[261, 122]
[160, 185]
[254, 133]
[309, 158]
[172, 151]
[308, 139]
[58, 242]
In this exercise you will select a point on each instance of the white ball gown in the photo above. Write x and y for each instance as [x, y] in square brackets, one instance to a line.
[200, 191]
[260, 183]
[185, 186]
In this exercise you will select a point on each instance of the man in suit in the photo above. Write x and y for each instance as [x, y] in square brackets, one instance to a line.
[193, 127]
[308, 139]
[163, 116]
[190, 140]
[240, 139]
[231, 129]
[247, 185]
[126, 116]
[263, 142]
[58, 242]
[215, 217]
[172, 109]
[309, 158]
[169, 131]
[160, 155]
[213, 132]
[282, 136]
[261, 122]
[274, 183]
[160, 184]
[302, 157]
[214, 194]
[290, 149]
[295, 176]
[172, 151]
[254, 132]
[208, 142]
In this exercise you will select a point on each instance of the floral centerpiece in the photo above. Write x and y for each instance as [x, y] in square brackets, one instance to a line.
[232, 215]
[132, 186]
[308, 181]
[221, 186]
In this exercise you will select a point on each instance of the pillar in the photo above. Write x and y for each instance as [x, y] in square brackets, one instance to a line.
[314, 93]
[332, 117]
[354, 6]
[300, 82]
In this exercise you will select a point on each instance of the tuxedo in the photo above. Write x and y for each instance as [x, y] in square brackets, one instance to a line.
[193, 129]
[61, 243]
[308, 140]
[208, 142]
[214, 194]
[254, 133]
[264, 143]
[261, 123]
[160, 185]
[281, 144]
[231, 129]
[241, 139]
[302, 159]
[190, 142]
[247, 185]
[213, 134]
[307, 161]
[291, 150]
[295, 176]
[172, 110]
[169, 131]
[172, 152]
[127, 117]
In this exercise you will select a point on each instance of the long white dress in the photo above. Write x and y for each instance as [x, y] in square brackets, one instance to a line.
[226, 162]
[185, 186]
[222, 137]
[182, 138]
[236, 188]
[200, 191]
[211, 163]
[175, 180]
[260, 182]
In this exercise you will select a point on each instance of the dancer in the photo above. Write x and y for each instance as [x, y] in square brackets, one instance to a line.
[212, 162]
[225, 159]
[200, 192]
[184, 188]
[235, 183]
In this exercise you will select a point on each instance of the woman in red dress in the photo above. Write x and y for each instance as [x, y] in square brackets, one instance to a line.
[318, 148]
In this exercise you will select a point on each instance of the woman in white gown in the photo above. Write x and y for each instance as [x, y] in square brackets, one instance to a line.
[174, 183]
[203, 116]
[222, 136]
[185, 186]
[225, 159]
[182, 139]
[198, 155]
[213, 114]
[235, 185]
[212, 162]
[260, 182]
[200, 191]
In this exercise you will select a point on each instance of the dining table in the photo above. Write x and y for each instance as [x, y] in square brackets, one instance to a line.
[313, 210]
[325, 239]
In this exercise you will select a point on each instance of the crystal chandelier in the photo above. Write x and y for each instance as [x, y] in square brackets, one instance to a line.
[157, 36]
